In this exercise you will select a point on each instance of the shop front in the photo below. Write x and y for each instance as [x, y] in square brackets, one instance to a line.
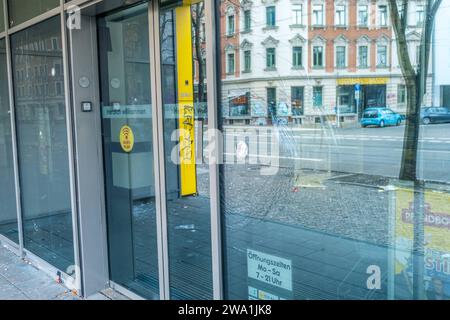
[107, 182]
[98, 130]
[354, 95]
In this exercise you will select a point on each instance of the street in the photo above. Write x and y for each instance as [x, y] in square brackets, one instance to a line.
[374, 151]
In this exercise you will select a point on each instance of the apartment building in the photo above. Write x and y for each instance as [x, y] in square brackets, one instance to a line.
[304, 62]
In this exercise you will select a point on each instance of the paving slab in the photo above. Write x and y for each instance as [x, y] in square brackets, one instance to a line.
[20, 280]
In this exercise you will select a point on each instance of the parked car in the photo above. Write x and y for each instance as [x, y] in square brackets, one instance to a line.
[435, 115]
[380, 117]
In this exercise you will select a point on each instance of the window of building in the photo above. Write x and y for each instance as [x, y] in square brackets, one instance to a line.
[297, 57]
[240, 104]
[341, 56]
[46, 210]
[420, 14]
[401, 95]
[247, 20]
[297, 101]
[270, 16]
[363, 15]
[230, 63]
[297, 14]
[55, 44]
[272, 102]
[59, 88]
[203, 32]
[308, 202]
[317, 15]
[340, 15]
[2, 17]
[382, 56]
[8, 213]
[317, 96]
[382, 15]
[418, 54]
[230, 25]
[247, 61]
[345, 99]
[363, 56]
[23, 10]
[270, 58]
[317, 56]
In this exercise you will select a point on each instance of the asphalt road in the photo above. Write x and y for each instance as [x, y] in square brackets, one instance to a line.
[373, 151]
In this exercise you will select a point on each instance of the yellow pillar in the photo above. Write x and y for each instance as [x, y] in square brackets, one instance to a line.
[186, 114]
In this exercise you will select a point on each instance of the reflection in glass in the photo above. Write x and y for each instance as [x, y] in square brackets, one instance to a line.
[42, 142]
[312, 206]
[129, 171]
[187, 183]
[2, 17]
[8, 214]
[23, 10]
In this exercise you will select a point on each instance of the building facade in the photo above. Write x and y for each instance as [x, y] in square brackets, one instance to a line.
[117, 172]
[303, 60]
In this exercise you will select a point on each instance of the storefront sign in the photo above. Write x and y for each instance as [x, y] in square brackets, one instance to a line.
[436, 221]
[127, 112]
[126, 139]
[361, 81]
[269, 269]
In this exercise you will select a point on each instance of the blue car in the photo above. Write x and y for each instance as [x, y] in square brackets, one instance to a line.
[380, 117]
[435, 115]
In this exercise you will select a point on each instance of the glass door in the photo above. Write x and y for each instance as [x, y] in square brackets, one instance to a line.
[129, 149]
[185, 163]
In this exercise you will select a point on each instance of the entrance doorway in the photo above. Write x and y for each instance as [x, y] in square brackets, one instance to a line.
[156, 184]
[373, 96]
[129, 149]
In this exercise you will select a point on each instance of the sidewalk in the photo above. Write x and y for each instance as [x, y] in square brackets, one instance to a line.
[20, 280]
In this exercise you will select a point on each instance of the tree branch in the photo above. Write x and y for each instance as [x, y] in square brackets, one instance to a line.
[405, 7]
[402, 45]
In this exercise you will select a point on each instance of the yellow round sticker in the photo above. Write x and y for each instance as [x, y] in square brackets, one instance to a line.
[126, 138]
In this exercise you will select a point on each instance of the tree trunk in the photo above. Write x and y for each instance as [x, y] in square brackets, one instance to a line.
[408, 170]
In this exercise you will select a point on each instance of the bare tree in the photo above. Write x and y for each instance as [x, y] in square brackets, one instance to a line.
[416, 83]
[198, 14]
[415, 79]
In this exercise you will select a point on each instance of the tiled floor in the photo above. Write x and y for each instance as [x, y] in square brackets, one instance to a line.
[20, 280]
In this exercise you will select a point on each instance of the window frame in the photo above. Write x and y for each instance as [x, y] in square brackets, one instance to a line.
[340, 15]
[316, 50]
[297, 57]
[366, 24]
[271, 60]
[318, 16]
[338, 59]
[315, 90]
[271, 16]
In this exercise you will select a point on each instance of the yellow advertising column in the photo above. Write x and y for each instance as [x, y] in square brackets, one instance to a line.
[436, 233]
[186, 114]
